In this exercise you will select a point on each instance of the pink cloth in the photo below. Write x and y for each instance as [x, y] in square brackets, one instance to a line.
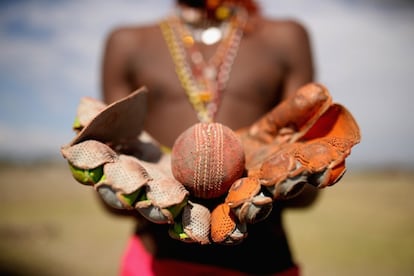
[138, 262]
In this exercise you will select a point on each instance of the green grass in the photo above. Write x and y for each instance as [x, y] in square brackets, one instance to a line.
[51, 225]
[364, 225]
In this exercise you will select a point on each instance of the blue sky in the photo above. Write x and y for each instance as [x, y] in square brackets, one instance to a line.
[50, 55]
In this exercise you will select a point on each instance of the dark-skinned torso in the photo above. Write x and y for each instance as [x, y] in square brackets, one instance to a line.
[273, 61]
[263, 73]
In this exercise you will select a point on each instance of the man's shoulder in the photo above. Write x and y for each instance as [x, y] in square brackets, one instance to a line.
[124, 34]
[282, 32]
[290, 26]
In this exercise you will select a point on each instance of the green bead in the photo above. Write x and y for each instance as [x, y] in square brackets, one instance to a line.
[176, 209]
[88, 176]
[77, 124]
[176, 231]
[130, 199]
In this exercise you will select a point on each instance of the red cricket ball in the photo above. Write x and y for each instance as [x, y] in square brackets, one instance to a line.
[207, 158]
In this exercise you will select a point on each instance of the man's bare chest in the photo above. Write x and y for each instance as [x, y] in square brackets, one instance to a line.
[256, 74]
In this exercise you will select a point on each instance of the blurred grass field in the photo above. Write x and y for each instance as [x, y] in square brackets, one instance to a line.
[51, 225]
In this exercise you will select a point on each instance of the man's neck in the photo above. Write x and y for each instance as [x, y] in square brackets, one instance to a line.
[204, 18]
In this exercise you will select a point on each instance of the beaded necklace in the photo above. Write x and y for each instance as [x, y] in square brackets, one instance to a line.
[203, 81]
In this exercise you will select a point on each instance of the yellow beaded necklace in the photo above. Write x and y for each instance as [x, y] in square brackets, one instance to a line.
[203, 81]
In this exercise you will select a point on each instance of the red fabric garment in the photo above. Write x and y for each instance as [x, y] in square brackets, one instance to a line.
[138, 262]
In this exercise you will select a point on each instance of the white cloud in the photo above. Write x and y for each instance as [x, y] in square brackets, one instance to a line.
[362, 52]
[363, 55]
[50, 57]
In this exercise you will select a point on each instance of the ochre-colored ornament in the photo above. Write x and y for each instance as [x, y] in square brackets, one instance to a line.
[207, 158]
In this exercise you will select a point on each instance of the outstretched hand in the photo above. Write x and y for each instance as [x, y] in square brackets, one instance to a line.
[304, 140]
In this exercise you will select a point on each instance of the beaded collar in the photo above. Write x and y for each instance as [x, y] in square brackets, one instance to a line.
[203, 80]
